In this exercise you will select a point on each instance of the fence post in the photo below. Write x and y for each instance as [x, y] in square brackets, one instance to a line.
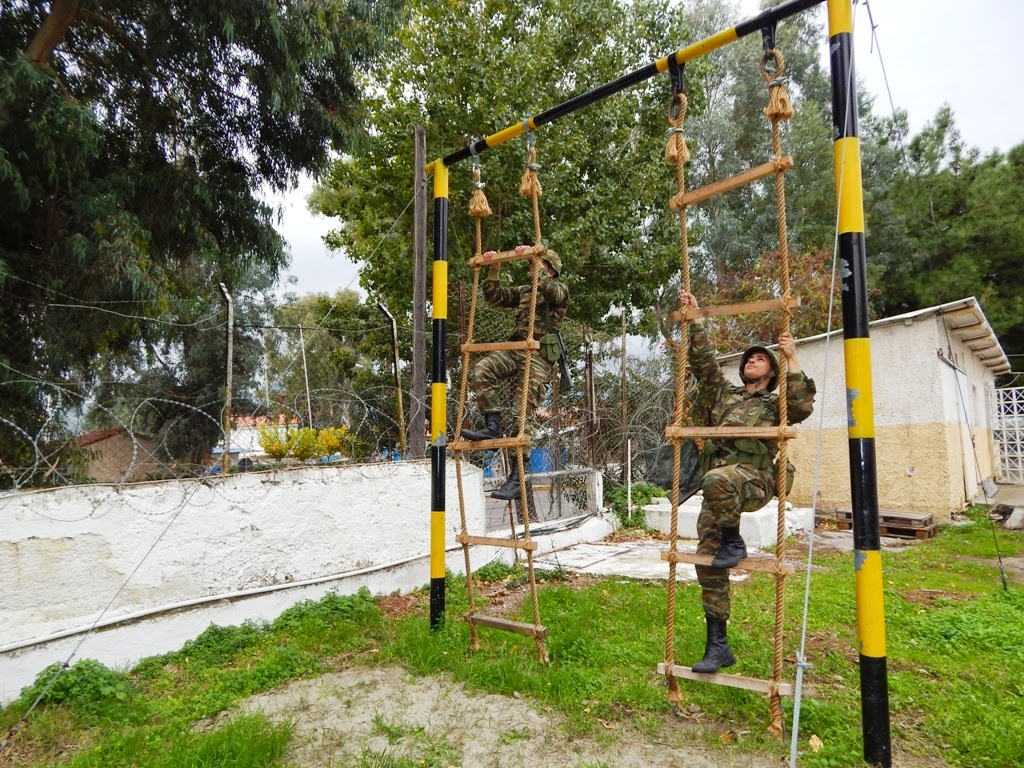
[225, 459]
[417, 412]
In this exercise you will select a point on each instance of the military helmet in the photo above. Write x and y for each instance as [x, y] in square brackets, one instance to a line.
[554, 261]
[772, 358]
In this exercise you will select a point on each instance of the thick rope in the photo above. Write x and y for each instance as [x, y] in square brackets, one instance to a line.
[779, 108]
[530, 187]
[476, 210]
[677, 154]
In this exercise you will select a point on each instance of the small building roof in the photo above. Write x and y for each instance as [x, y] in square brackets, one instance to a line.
[963, 318]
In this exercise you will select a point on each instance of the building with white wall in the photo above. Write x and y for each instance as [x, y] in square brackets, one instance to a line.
[933, 380]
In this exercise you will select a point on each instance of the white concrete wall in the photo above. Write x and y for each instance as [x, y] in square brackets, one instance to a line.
[66, 553]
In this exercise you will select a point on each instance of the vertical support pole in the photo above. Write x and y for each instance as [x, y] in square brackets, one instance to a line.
[860, 410]
[399, 410]
[305, 376]
[225, 459]
[629, 479]
[625, 403]
[438, 394]
[417, 419]
[591, 402]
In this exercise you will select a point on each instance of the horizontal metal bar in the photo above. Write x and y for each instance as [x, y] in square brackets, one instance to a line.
[683, 55]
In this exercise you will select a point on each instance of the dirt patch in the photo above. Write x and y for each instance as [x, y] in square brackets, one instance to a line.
[339, 717]
[930, 596]
[400, 606]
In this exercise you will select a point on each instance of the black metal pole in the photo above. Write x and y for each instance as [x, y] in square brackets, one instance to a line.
[860, 409]
[438, 394]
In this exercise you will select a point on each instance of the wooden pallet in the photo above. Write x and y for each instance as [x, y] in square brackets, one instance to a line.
[892, 518]
[903, 525]
[898, 532]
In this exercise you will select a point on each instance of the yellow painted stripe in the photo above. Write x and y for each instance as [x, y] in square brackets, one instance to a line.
[440, 289]
[438, 411]
[698, 49]
[440, 173]
[840, 17]
[870, 603]
[859, 398]
[849, 189]
[437, 544]
[508, 134]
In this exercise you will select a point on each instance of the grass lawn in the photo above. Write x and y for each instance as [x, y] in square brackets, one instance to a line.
[955, 650]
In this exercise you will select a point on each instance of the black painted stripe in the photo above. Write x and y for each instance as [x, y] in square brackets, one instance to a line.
[437, 598]
[853, 270]
[864, 493]
[874, 702]
[844, 87]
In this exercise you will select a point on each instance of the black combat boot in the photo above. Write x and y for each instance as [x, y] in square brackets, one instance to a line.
[733, 549]
[510, 490]
[491, 430]
[717, 653]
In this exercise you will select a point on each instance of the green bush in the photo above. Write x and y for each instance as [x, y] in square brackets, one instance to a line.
[642, 493]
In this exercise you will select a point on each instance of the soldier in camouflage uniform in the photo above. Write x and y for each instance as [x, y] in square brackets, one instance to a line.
[739, 475]
[492, 369]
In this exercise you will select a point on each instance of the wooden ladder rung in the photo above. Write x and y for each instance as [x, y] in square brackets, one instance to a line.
[764, 563]
[519, 627]
[746, 308]
[680, 201]
[483, 445]
[491, 541]
[498, 257]
[494, 346]
[733, 681]
[731, 433]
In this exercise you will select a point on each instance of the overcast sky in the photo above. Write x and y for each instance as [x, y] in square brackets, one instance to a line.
[933, 52]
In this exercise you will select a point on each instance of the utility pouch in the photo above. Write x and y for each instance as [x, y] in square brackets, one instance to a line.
[550, 349]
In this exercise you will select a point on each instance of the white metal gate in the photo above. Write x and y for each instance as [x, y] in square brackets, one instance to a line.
[1009, 435]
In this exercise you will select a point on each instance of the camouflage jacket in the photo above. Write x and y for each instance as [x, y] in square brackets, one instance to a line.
[734, 406]
[552, 304]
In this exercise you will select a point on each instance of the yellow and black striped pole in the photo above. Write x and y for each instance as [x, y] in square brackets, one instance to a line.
[874, 689]
[438, 393]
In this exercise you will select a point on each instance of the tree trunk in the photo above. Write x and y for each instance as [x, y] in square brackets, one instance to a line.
[63, 13]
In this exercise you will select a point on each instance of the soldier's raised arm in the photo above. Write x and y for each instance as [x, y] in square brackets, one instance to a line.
[703, 360]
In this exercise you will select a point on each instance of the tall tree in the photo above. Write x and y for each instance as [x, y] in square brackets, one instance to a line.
[134, 141]
[962, 217]
[466, 69]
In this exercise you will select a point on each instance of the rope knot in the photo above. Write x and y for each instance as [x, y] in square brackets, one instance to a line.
[478, 205]
[780, 106]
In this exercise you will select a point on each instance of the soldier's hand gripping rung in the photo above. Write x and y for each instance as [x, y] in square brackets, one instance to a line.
[684, 199]
[747, 308]
[759, 433]
[491, 258]
[495, 346]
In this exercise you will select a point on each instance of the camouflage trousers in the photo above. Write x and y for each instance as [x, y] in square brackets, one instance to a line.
[492, 369]
[728, 491]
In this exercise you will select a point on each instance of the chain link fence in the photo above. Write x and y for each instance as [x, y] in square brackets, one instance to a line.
[314, 388]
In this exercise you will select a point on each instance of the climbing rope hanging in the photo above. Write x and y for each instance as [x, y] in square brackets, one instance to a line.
[779, 108]
[677, 154]
[529, 186]
[479, 208]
